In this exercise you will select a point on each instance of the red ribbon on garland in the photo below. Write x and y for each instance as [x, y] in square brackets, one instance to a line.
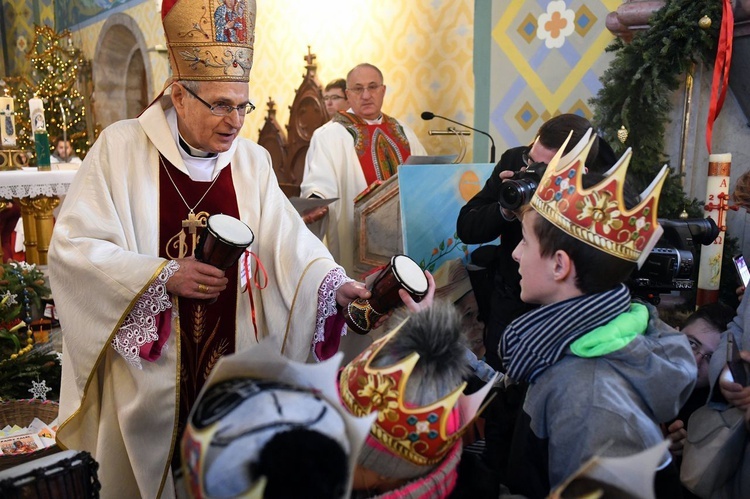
[721, 68]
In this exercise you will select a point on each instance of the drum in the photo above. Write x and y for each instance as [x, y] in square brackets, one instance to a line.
[69, 475]
[401, 273]
[223, 241]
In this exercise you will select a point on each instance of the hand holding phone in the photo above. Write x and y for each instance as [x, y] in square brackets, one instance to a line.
[742, 271]
[737, 366]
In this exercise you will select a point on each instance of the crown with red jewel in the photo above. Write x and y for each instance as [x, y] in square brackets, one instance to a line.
[210, 39]
[597, 215]
[419, 434]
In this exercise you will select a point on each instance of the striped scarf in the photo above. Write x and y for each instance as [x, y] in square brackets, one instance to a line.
[539, 338]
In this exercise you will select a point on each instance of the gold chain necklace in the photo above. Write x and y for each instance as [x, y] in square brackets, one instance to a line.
[192, 221]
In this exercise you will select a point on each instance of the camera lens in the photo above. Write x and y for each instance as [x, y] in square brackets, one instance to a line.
[516, 193]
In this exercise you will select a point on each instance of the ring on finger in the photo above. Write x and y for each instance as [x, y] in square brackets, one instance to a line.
[202, 288]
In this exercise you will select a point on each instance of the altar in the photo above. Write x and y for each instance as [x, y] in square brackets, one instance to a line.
[36, 193]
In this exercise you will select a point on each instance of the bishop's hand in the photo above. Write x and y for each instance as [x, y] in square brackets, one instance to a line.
[196, 280]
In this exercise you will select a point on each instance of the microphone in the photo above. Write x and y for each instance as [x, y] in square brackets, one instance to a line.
[428, 116]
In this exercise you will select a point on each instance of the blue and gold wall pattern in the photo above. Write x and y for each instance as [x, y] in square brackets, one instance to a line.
[546, 58]
[69, 13]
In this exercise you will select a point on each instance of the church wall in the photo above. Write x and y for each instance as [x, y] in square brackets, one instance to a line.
[532, 79]
[423, 48]
[730, 135]
[19, 18]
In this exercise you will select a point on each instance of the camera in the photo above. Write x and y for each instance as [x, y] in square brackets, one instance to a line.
[671, 264]
[519, 189]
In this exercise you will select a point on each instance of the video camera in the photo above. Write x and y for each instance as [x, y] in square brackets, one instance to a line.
[671, 264]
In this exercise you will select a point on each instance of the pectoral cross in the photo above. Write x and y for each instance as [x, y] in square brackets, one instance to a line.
[192, 224]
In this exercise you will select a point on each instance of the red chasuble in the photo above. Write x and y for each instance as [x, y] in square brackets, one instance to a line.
[380, 148]
[207, 330]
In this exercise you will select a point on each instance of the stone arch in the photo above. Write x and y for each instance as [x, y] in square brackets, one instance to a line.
[122, 70]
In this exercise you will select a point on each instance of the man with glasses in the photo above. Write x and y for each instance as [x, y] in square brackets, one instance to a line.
[334, 95]
[356, 149]
[145, 321]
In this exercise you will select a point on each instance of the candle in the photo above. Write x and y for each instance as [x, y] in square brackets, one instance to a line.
[36, 112]
[717, 204]
[7, 122]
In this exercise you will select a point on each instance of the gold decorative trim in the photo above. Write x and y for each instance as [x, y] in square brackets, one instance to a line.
[103, 350]
[719, 169]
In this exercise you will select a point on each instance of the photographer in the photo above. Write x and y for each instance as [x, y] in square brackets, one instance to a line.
[482, 220]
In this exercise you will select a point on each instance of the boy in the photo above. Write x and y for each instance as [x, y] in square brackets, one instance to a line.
[593, 359]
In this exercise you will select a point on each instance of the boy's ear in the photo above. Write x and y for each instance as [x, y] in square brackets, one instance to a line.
[562, 265]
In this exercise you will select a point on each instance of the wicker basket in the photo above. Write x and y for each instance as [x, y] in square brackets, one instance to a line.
[22, 413]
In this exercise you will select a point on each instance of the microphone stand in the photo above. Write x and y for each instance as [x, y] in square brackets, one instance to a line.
[492, 141]
[458, 133]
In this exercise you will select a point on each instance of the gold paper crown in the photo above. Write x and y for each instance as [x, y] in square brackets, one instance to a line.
[597, 215]
[418, 434]
[210, 39]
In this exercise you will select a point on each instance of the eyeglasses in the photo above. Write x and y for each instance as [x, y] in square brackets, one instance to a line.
[696, 346]
[332, 98]
[527, 160]
[224, 109]
[370, 88]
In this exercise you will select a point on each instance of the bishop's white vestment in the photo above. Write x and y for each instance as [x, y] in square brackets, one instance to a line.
[104, 255]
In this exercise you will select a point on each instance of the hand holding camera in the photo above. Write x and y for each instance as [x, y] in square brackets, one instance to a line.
[518, 188]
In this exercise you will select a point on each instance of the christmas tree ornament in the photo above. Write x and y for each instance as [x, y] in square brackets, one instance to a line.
[39, 390]
[704, 22]
[622, 134]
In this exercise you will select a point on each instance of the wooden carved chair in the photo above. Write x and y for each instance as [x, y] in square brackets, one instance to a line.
[306, 114]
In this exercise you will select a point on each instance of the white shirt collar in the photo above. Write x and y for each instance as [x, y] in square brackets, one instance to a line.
[377, 121]
[200, 169]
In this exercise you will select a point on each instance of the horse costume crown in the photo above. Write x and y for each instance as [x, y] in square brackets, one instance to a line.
[249, 398]
[419, 434]
[597, 215]
[210, 39]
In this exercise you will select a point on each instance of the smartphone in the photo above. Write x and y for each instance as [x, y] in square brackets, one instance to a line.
[737, 366]
[742, 271]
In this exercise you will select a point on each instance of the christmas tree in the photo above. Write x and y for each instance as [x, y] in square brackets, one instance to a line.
[61, 77]
[24, 371]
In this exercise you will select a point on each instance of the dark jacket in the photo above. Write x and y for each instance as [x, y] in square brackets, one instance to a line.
[480, 221]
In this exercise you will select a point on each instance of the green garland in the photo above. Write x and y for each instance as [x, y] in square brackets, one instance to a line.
[636, 91]
[638, 85]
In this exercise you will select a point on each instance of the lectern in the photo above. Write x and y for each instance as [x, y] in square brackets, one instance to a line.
[377, 226]
[415, 213]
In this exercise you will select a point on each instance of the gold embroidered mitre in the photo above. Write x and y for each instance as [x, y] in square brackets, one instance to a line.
[422, 435]
[210, 39]
[597, 215]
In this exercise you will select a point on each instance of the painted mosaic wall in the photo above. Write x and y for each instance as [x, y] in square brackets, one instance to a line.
[19, 18]
[546, 57]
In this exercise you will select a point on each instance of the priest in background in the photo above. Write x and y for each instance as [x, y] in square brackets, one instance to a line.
[357, 148]
[143, 321]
